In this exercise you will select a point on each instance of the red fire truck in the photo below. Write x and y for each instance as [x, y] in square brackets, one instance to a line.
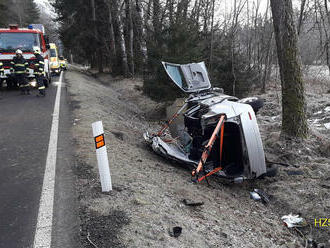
[25, 39]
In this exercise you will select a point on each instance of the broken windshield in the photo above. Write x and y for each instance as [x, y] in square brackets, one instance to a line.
[175, 73]
[10, 42]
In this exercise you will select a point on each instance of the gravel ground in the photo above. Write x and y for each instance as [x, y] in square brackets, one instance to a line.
[148, 191]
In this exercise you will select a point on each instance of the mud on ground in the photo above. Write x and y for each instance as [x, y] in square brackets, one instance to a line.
[148, 191]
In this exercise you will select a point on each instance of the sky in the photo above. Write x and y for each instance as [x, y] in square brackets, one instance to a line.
[223, 5]
[45, 6]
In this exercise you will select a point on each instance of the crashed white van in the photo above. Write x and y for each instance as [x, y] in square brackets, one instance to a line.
[221, 134]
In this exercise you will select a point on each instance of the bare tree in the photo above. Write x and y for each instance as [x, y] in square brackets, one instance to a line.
[302, 9]
[131, 35]
[121, 37]
[326, 26]
[142, 34]
[111, 31]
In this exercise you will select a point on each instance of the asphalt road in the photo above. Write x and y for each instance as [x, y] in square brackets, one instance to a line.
[25, 123]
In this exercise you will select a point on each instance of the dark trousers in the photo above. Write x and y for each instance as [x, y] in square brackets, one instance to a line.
[41, 85]
[22, 82]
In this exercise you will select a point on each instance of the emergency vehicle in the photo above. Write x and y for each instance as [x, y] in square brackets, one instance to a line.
[25, 39]
[55, 66]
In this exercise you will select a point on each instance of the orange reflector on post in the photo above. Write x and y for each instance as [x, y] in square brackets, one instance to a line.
[99, 138]
[99, 141]
[102, 156]
[99, 144]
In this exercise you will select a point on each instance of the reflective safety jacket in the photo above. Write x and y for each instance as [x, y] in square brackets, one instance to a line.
[19, 65]
[1, 68]
[39, 65]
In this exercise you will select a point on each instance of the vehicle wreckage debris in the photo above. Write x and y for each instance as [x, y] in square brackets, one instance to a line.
[191, 203]
[176, 231]
[255, 196]
[258, 195]
[281, 163]
[212, 120]
[293, 221]
[294, 172]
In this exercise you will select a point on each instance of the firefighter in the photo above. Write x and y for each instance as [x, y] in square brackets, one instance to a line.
[19, 67]
[39, 71]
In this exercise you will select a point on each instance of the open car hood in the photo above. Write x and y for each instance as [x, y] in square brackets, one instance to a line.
[189, 77]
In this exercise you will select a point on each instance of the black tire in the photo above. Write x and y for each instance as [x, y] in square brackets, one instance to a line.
[255, 102]
[46, 83]
[10, 83]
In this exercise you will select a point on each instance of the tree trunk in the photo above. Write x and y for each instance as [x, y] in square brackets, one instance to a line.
[302, 9]
[267, 64]
[121, 39]
[131, 35]
[212, 35]
[111, 32]
[294, 121]
[96, 42]
[156, 17]
[142, 36]
[326, 30]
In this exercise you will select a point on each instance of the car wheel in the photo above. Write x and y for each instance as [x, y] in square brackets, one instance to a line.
[10, 84]
[255, 102]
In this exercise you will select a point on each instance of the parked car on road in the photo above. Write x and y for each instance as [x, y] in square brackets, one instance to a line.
[54, 60]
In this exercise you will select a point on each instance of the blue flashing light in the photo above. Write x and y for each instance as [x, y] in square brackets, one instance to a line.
[30, 26]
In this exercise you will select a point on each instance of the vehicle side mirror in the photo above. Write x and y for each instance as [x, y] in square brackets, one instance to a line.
[47, 41]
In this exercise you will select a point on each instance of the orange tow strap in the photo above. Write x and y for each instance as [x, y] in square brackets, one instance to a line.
[169, 122]
[209, 174]
[219, 168]
[208, 149]
[221, 141]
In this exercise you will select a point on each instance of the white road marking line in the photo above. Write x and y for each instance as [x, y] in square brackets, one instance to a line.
[43, 234]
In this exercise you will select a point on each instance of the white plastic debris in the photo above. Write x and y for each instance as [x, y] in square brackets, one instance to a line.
[327, 125]
[293, 221]
[255, 196]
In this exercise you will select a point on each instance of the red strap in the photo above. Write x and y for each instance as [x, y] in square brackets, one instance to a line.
[209, 174]
[221, 146]
[221, 141]
[209, 145]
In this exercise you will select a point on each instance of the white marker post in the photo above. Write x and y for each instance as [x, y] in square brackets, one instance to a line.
[102, 156]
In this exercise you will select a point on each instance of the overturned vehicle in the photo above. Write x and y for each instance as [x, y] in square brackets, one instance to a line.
[221, 134]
